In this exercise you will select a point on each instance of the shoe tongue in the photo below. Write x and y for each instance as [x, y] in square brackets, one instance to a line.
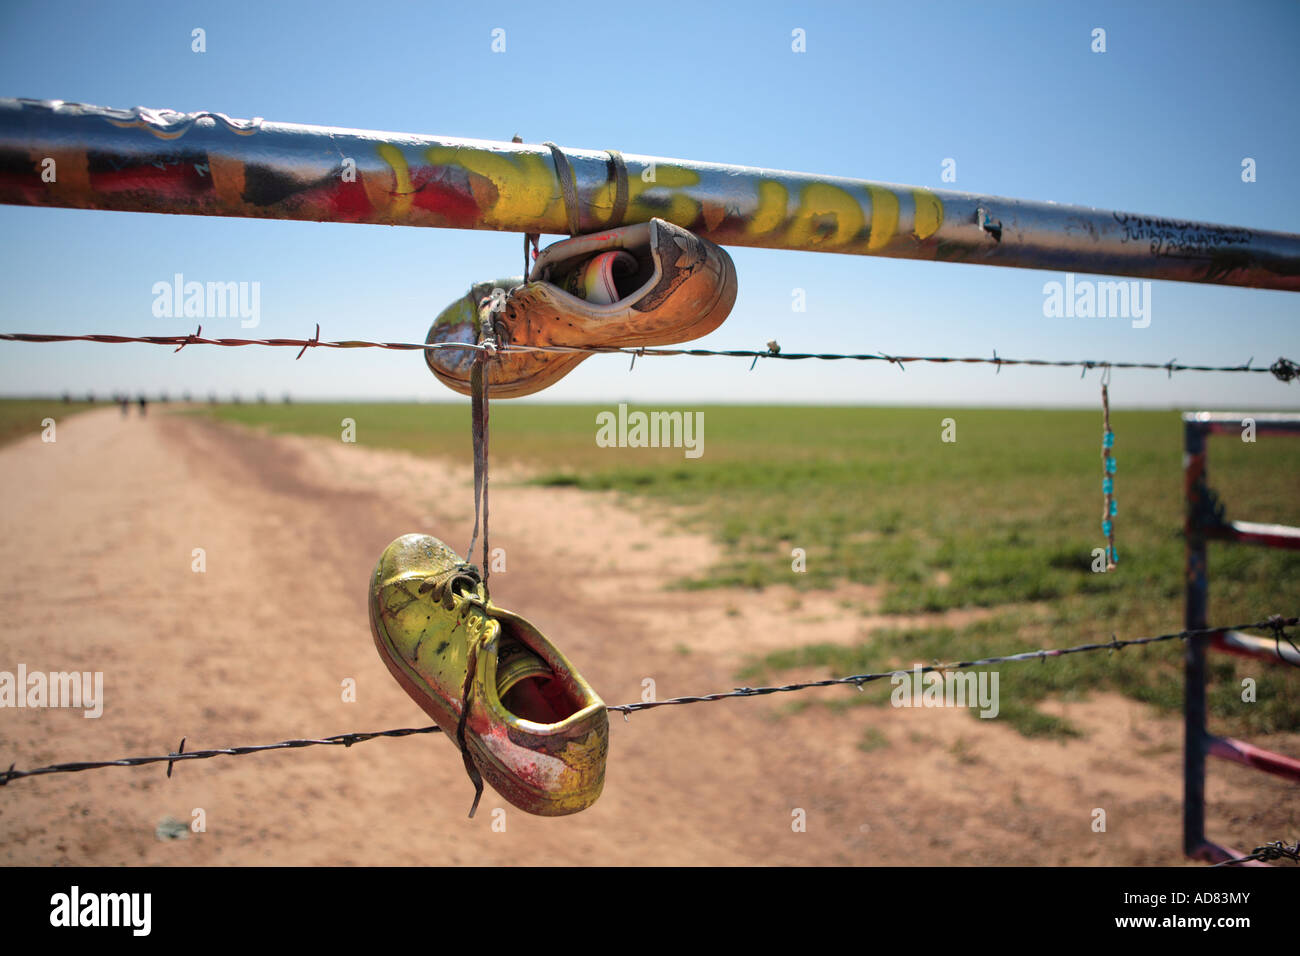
[515, 663]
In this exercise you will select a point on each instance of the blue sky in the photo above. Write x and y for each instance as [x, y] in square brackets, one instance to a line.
[886, 91]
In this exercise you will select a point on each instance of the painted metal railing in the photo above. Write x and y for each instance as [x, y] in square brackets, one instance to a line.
[54, 153]
[1205, 521]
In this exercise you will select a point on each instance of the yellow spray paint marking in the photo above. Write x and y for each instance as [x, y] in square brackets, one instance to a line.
[771, 211]
[682, 209]
[526, 187]
[820, 204]
[929, 213]
[884, 217]
[603, 198]
[402, 196]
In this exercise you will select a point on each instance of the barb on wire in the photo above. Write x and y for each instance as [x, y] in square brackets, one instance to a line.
[1277, 850]
[171, 763]
[191, 338]
[1278, 625]
[347, 740]
[310, 343]
[1283, 369]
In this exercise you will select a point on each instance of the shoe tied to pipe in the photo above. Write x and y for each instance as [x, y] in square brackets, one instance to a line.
[535, 730]
[653, 283]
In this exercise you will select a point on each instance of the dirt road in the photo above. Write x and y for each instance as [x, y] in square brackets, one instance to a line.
[97, 543]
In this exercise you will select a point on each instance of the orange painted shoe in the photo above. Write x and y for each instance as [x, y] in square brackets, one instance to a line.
[530, 724]
[654, 283]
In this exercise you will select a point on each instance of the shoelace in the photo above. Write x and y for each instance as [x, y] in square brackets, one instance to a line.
[569, 192]
[489, 310]
[452, 585]
[460, 589]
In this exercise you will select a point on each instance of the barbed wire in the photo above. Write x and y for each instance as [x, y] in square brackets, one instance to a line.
[344, 740]
[1283, 369]
[1275, 623]
[1277, 850]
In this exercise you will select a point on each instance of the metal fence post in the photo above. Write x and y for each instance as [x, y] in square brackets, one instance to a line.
[1195, 488]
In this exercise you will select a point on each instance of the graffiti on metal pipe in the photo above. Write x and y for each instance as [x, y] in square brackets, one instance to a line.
[1175, 237]
[466, 187]
[205, 163]
[451, 185]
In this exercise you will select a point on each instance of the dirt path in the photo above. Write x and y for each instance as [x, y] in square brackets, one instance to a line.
[97, 535]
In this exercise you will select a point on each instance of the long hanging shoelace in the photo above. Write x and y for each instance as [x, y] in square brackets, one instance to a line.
[479, 387]
[489, 310]
[479, 431]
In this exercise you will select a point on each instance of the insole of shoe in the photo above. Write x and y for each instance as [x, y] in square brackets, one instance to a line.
[626, 270]
[527, 685]
[604, 278]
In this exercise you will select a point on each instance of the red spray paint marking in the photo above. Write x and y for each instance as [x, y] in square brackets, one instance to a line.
[448, 193]
[349, 202]
[181, 178]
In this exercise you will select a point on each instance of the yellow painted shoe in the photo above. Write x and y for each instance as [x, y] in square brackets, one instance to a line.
[529, 723]
[653, 283]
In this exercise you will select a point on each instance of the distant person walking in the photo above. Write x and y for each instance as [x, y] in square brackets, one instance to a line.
[144, 406]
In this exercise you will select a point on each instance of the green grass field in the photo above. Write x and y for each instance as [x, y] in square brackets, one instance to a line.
[20, 417]
[1005, 517]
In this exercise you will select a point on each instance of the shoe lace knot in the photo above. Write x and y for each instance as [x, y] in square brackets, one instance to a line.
[458, 588]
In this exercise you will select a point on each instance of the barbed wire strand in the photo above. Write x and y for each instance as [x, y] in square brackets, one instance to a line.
[1277, 850]
[1276, 623]
[1283, 369]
